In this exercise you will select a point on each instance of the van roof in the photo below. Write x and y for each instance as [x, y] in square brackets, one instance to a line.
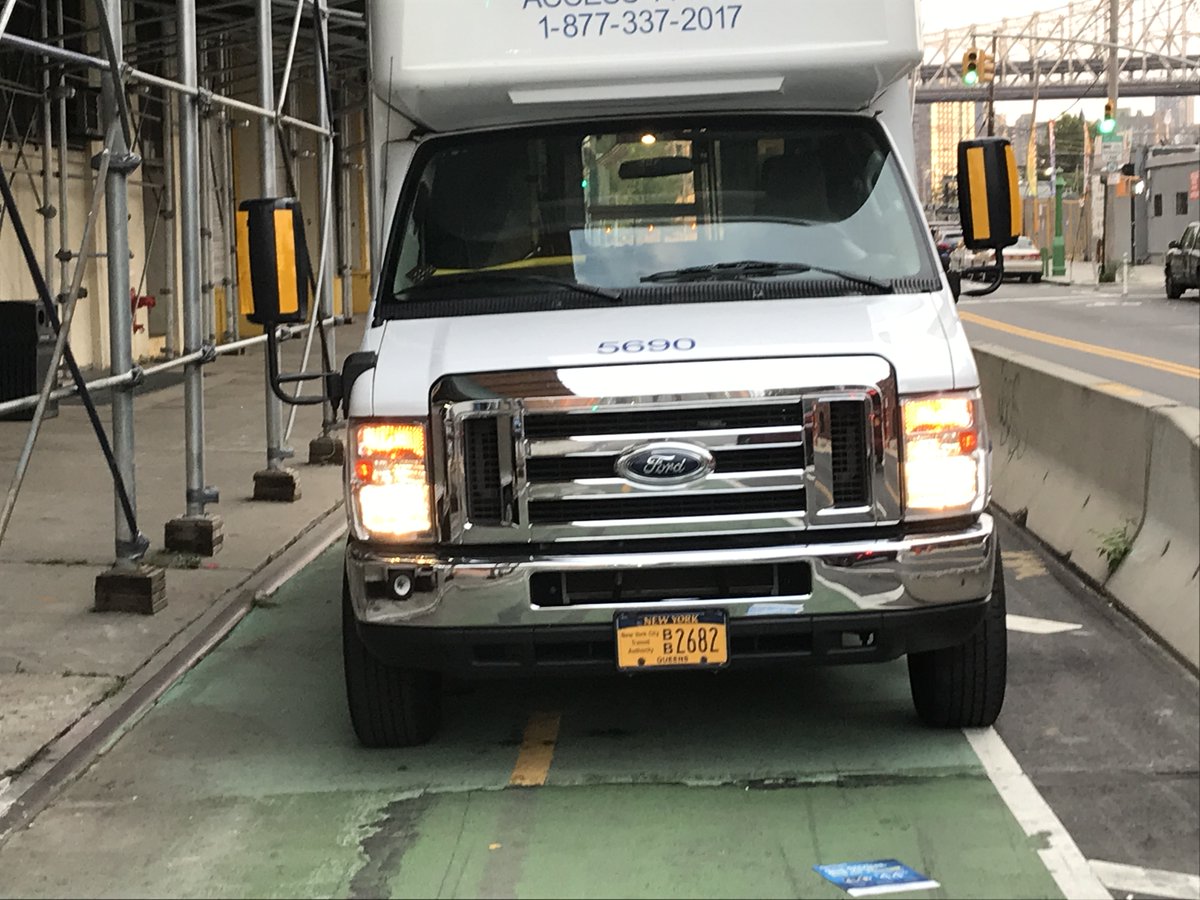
[456, 64]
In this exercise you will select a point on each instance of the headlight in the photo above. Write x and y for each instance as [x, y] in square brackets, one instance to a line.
[388, 480]
[945, 455]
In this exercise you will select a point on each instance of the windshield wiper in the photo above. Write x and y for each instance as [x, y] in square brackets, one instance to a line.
[437, 281]
[753, 268]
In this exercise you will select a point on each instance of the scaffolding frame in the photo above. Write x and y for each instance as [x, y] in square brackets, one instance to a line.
[191, 75]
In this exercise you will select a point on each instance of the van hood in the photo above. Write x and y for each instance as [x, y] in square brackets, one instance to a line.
[919, 334]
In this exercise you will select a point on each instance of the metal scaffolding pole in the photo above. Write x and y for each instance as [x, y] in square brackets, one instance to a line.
[196, 532]
[231, 276]
[47, 211]
[206, 186]
[120, 316]
[275, 482]
[170, 277]
[64, 236]
[345, 269]
[325, 160]
[130, 586]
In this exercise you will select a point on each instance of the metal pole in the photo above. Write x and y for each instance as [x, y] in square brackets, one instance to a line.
[206, 188]
[48, 212]
[189, 233]
[231, 272]
[1114, 73]
[63, 157]
[325, 159]
[991, 109]
[120, 316]
[275, 482]
[170, 276]
[345, 269]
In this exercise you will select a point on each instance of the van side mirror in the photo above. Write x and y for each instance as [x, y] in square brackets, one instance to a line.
[989, 200]
[274, 259]
[1173, 245]
[273, 262]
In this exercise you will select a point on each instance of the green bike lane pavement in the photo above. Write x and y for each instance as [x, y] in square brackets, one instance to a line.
[245, 779]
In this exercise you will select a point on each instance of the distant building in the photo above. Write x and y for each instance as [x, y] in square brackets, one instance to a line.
[1175, 118]
[1172, 194]
[949, 123]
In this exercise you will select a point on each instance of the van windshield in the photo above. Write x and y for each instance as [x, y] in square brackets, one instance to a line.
[610, 209]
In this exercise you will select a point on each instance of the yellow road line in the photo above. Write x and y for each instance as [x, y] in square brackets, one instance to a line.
[1136, 359]
[537, 750]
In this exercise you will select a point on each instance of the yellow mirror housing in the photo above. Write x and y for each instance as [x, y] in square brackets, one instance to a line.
[989, 194]
[273, 261]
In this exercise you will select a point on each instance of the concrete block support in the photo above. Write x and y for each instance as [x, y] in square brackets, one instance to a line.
[277, 485]
[201, 535]
[326, 450]
[138, 589]
[1085, 462]
[1069, 453]
[1159, 581]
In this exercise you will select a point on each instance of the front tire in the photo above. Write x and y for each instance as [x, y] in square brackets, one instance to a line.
[963, 686]
[389, 706]
[1174, 291]
[1035, 278]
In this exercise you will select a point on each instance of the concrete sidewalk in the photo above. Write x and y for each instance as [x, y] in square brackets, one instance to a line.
[58, 658]
[1079, 272]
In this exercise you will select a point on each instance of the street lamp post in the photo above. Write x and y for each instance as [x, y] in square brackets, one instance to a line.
[1059, 255]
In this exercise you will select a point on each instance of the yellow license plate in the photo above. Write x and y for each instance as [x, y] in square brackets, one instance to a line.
[669, 640]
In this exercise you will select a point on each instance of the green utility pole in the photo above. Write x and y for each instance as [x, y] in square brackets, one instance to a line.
[1059, 257]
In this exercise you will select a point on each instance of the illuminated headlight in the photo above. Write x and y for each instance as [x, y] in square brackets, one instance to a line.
[388, 480]
[945, 455]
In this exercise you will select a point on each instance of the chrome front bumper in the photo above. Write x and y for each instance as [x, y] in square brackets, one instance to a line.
[917, 572]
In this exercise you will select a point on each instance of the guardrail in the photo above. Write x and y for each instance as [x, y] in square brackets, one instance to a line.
[1109, 477]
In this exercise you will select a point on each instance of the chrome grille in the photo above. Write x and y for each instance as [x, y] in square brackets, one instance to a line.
[789, 452]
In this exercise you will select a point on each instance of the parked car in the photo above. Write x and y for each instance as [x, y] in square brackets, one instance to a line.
[1023, 260]
[1182, 268]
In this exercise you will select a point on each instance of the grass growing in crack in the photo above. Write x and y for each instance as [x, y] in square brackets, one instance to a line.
[1115, 544]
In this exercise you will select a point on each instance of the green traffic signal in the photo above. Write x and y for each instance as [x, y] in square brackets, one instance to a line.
[1107, 126]
[970, 78]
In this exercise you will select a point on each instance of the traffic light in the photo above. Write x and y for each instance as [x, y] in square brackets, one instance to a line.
[1109, 123]
[987, 67]
[970, 67]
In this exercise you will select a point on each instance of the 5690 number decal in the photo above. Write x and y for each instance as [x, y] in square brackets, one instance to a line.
[654, 345]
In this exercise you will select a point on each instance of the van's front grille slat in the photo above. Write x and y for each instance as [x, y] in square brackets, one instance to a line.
[548, 469]
[662, 421]
[481, 454]
[848, 438]
[651, 506]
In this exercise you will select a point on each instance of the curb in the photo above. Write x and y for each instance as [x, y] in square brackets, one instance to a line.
[66, 757]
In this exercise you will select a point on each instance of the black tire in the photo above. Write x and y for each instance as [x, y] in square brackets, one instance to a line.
[389, 706]
[1174, 291]
[1024, 278]
[1035, 278]
[963, 686]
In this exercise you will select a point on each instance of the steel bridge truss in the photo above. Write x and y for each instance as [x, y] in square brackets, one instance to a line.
[1063, 53]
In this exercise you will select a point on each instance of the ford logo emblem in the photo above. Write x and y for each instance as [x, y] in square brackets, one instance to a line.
[665, 464]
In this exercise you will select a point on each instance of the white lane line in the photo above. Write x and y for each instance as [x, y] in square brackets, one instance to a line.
[1156, 882]
[1030, 625]
[1059, 853]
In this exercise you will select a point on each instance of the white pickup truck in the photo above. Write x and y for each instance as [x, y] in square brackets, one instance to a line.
[662, 369]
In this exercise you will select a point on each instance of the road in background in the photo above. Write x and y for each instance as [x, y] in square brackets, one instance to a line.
[1143, 340]
[246, 779]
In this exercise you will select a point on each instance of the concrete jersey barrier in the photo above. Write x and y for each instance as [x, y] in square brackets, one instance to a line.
[1109, 477]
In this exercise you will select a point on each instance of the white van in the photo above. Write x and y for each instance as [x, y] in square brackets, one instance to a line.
[662, 370]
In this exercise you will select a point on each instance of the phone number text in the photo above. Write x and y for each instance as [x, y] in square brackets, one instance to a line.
[641, 21]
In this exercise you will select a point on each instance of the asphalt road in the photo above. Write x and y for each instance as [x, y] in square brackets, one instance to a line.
[1143, 340]
[245, 779]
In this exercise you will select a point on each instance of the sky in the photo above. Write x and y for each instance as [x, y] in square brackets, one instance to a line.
[940, 14]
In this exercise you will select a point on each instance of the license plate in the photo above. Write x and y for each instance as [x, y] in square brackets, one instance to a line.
[672, 640]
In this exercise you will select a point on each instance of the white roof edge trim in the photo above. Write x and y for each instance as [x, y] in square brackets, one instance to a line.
[771, 84]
